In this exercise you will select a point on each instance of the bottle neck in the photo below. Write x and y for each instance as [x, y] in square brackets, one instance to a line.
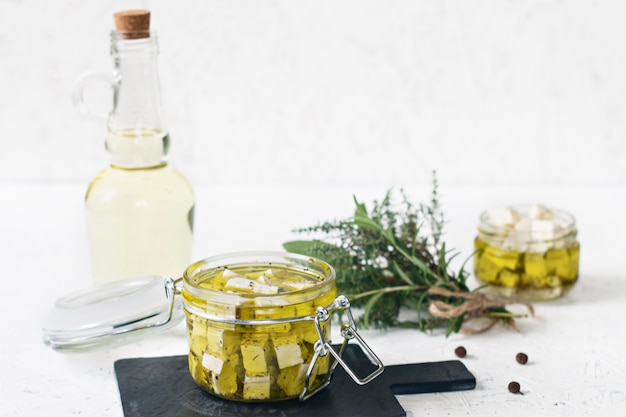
[137, 134]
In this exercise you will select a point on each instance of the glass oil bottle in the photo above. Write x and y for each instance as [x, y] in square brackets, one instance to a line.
[139, 209]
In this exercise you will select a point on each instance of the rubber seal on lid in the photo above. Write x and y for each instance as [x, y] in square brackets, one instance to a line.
[112, 314]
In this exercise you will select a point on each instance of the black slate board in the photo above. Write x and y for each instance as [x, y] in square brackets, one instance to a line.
[163, 387]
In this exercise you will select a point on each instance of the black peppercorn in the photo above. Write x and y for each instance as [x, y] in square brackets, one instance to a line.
[521, 358]
[514, 387]
[460, 352]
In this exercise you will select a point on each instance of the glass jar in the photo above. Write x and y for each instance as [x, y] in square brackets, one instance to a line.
[258, 325]
[527, 253]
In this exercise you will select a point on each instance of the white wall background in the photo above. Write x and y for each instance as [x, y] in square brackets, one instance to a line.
[520, 92]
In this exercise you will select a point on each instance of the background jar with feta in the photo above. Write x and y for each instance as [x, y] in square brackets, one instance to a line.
[527, 253]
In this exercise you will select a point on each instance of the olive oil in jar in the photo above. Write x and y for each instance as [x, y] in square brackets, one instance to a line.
[242, 358]
[527, 254]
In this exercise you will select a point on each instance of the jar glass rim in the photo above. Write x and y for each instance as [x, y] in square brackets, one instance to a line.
[565, 221]
[276, 259]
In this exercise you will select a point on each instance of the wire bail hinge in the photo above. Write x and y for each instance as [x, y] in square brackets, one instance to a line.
[323, 347]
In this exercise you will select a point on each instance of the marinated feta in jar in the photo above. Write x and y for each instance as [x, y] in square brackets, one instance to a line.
[527, 253]
[246, 341]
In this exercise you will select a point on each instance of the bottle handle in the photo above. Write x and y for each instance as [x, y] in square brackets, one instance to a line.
[78, 96]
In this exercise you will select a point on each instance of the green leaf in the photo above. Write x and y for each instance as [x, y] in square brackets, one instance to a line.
[366, 223]
[390, 235]
[422, 301]
[367, 309]
[455, 324]
[363, 220]
[302, 247]
[360, 211]
[403, 275]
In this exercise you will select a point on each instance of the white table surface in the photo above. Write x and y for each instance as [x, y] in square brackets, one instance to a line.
[576, 344]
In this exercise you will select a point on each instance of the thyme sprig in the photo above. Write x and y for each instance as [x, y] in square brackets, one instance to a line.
[387, 259]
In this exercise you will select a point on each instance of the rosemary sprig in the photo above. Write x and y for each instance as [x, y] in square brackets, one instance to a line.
[387, 259]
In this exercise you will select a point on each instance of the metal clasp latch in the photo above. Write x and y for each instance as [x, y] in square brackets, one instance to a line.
[323, 347]
[171, 291]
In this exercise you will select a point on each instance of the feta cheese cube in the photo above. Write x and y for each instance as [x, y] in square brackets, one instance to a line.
[298, 285]
[502, 216]
[239, 284]
[253, 359]
[291, 380]
[262, 279]
[256, 387]
[264, 289]
[225, 383]
[246, 285]
[539, 212]
[212, 363]
[288, 355]
[542, 230]
[228, 273]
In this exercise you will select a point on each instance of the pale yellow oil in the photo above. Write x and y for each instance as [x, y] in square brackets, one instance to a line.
[139, 211]
[257, 362]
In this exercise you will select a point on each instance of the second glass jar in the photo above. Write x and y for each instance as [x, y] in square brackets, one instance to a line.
[527, 253]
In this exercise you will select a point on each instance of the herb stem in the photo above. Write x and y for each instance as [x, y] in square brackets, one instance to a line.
[386, 290]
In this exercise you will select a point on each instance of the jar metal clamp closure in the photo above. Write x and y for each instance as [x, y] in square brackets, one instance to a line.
[323, 346]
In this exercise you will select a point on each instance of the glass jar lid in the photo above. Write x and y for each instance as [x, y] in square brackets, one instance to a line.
[112, 314]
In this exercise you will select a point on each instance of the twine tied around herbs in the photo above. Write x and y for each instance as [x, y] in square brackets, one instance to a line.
[475, 305]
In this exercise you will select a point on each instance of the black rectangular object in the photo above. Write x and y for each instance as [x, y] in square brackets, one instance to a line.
[163, 387]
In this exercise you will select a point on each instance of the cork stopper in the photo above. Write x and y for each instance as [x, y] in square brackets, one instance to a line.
[133, 24]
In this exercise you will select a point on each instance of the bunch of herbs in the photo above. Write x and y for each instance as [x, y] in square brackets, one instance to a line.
[393, 257]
